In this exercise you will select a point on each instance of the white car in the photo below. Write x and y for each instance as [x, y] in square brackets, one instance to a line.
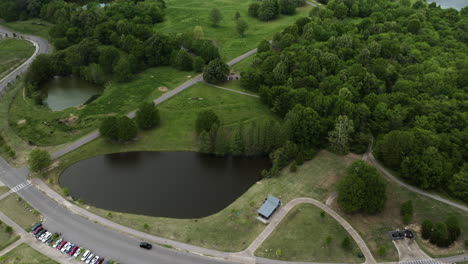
[77, 253]
[41, 236]
[46, 237]
[94, 260]
[57, 242]
[85, 255]
[65, 247]
[88, 260]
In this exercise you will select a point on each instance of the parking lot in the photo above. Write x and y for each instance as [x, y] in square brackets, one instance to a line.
[57, 241]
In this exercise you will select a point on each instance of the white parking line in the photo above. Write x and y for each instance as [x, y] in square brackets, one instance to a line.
[21, 186]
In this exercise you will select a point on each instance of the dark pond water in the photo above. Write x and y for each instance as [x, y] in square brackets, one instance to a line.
[457, 4]
[167, 184]
[65, 92]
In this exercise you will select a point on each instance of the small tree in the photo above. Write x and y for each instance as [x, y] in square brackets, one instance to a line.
[264, 46]
[183, 61]
[237, 15]
[253, 9]
[328, 240]
[66, 191]
[205, 121]
[198, 64]
[426, 229]
[216, 71]
[339, 137]
[215, 16]
[440, 235]
[278, 253]
[406, 211]
[8, 229]
[241, 27]
[39, 160]
[205, 143]
[346, 244]
[147, 116]
[288, 7]
[453, 228]
[198, 32]
[382, 251]
[127, 128]
[109, 128]
[123, 70]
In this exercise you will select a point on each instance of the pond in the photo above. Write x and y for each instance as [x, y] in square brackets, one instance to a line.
[166, 184]
[457, 4]
[65, 92]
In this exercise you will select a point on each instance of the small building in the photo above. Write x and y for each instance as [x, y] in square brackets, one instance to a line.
[269, 207]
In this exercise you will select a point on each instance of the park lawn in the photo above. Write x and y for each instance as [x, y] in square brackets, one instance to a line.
[44, 127]
[36, 27]
[302, 236]
[374, 229]
[19, 211]
[236, 226]
[24, 254]
[7, 239]
[13, 52]
[184, 15]
[4, 189]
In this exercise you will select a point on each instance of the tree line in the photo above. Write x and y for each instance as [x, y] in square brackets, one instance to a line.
[399, 73]
[267, 10]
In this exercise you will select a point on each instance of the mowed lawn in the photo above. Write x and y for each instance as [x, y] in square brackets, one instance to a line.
[36, 27]
[24, 254]
[13, 52]
[184, 15]
[302, 236]
[19, 211]
[6, 238]
[44, 127]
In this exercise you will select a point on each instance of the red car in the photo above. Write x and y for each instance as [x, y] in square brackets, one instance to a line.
[74, 249]
[100, 261]
[60, 246]
[38, 230]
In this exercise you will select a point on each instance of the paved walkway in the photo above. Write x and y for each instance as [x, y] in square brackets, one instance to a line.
[284, 211]
[408, 250]
[34, 243]
[232, 90]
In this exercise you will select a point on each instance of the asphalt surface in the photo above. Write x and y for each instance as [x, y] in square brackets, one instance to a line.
[101, 240]
[43, 47]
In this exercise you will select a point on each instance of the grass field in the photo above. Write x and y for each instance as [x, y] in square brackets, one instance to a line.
[24, 254]
[183, 16]
[44, 127]
[302, 236]
[13, 52]
[37, 27]
[3, 189]
[6, 239]
[19, 211]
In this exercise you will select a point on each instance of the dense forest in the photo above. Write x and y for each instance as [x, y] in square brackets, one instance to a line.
[112, 42]
[397, 70]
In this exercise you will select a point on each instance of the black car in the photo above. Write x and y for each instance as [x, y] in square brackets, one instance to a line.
[146, 245]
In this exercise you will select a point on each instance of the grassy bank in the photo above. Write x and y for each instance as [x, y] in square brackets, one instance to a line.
[302, 236]
[36, 27]
[183, 16]
[13, 52]
[25, 254]
[19, 211]
[41, 126]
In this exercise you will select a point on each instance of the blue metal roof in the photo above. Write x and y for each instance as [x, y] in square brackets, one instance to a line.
[269, 206]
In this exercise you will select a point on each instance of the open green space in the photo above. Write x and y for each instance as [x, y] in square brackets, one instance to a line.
[302, 236]
[183, 16]
[6, 238]
[42, 126]
[19, 211]
[24, 254]
[3, 189]
[13, 52]
[36, 27]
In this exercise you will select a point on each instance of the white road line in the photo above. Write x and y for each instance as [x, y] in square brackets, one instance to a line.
[20, 186]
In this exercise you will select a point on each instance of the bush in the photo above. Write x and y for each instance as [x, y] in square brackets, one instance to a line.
[183, 61]
[118, 128]
[382, 251]
[66, 191]
[426, 229]
[205, 121]
[39, 160]
[406, 211]
[439, 235]
[147, 116]
[346, 244]
[453, 228]
[8, 229]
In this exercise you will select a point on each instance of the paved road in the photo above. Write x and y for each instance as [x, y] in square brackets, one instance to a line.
[42, 46]
[284, 211]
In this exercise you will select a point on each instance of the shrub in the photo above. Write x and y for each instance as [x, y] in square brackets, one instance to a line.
[278, 253]
[147, 116]
[439, 235]
[8, 229]
[328, 240]
[253, 9]
[198, 64]
[453, 228]
[39, 160]
[426, 229]
[382, 250]
[66, 191]
[346, 244]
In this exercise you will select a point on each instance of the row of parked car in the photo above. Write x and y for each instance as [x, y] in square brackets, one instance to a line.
[66, 247]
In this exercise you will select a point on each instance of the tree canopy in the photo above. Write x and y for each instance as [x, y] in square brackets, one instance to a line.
[39, 160]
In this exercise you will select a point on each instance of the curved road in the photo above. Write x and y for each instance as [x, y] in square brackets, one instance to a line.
[42, 46]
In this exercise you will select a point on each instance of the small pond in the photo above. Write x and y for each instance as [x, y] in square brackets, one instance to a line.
[457, 4]
[166, 184]
[65, 92]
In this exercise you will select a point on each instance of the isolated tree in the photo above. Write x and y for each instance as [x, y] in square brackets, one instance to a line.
[215, 16]
[127, 128]
[147, 116]
[205, 121]
[198, 64]
[216, 71]
[109, 128]
[241, 27]
[268, 10]
[198, 33]
[362, 190]
[340, 136]
[346, 244]
[287, 7]
[237, 15]
[39, 160]
[264, 46]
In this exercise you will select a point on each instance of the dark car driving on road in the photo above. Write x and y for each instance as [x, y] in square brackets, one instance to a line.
[146, 245]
